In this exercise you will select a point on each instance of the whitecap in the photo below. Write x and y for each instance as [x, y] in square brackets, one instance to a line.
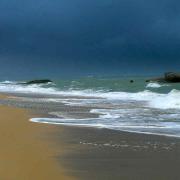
[153, 85]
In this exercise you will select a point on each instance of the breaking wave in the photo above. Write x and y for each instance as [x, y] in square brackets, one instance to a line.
[152, 99]
[155, 85]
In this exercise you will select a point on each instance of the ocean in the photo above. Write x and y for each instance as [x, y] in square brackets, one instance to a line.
[112, 103]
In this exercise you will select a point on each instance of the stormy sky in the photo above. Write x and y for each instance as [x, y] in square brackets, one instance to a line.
[87, 37]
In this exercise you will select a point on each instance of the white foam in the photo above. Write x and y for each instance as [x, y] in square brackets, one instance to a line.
[108, 113]
[154, 85]
[14, 87]
[8, 82]
[170, 100]
[167, 129]
[166, 101]
[139, 96]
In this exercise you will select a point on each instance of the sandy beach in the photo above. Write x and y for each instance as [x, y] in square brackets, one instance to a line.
[24, 152]
[42, 151]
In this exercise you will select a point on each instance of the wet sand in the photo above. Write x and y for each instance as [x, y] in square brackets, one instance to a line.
[102, 154]
[25, 152]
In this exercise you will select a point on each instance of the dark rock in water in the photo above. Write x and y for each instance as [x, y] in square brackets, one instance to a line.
[131, 81]
[169, 77]
[40, 81]
[172, 77]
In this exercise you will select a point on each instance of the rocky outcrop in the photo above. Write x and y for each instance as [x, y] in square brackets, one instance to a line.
[172, 77]
[39, 81]
[169, 77]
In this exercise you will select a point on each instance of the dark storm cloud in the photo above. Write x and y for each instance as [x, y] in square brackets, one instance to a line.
[78, 32]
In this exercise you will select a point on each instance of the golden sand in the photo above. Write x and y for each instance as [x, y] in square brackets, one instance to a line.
[24, 154]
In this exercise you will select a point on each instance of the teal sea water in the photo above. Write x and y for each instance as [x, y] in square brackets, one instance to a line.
[121, 84]
[151, 108]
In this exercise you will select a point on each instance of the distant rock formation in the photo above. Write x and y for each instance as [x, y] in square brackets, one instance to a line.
[39, 81]
[169, 77]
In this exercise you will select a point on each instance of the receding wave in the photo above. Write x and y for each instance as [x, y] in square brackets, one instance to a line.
[143, 110]
[161, 128]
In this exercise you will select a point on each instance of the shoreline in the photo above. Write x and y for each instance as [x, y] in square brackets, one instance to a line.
[44, 151]
[108, 129]
[25, 151]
